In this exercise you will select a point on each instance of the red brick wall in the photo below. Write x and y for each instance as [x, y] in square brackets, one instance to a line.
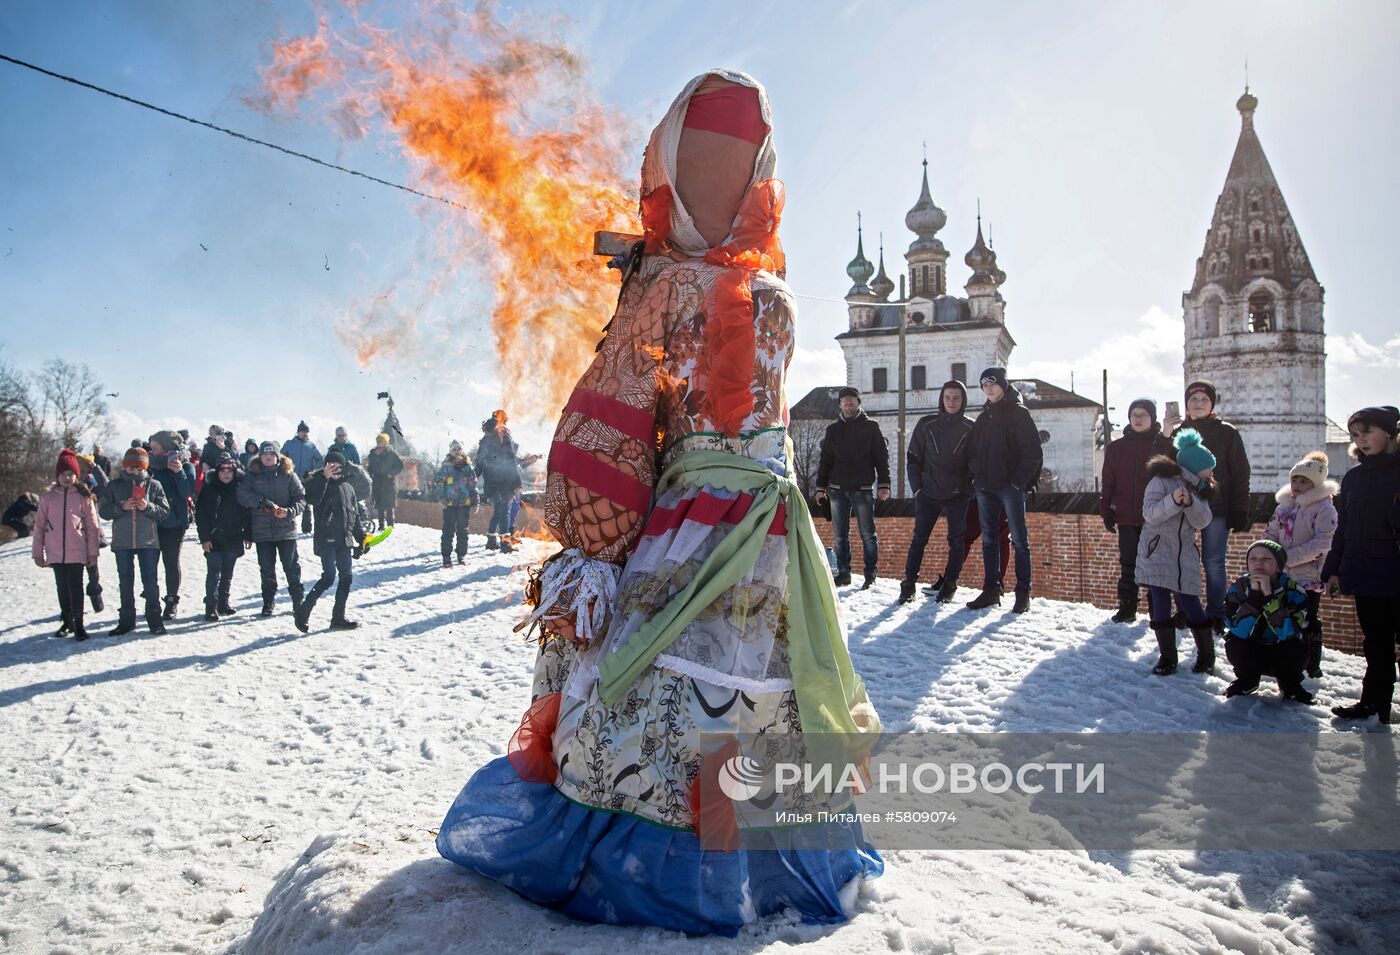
[1074, 559]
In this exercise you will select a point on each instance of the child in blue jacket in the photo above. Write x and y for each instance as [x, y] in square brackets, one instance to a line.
[1266, 613]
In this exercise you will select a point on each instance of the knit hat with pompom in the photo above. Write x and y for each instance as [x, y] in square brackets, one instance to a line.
[1313, 467]
[1191, 454]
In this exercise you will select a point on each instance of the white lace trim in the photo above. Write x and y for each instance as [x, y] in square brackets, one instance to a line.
[727, 680]
[583, 586]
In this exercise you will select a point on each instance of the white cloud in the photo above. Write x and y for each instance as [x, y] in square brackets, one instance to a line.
[1353, 350]
[813, 368]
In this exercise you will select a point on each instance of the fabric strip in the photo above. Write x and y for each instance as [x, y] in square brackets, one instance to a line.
[732, 111]
[599, 477]
[633, 422]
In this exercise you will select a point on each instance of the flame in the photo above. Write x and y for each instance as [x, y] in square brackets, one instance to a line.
[501, 122]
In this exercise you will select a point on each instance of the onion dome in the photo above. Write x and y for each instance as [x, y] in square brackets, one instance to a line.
[883, 285]
[998, 276]
[925, 219]
[859, 268]
[981, 260]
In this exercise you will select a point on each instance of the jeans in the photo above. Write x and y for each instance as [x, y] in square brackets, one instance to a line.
[974, 534]
[1380, 627]
[514, 510]
[218, 574]
[69, 580]
[991, 504]
[1159, 607]
[926, 513]
[149, 560]
[500, 513]
[863, 503]
[455, 519]
[269, 553]
[170, 540]
[335, 569]
[1215, 540]
[1128, 538]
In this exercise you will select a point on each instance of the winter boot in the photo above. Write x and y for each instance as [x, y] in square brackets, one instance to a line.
[506, 546]
[1127, 610]
[266, 608]
[447, 558]
[1314, 643]
[1297, 694]
[94, 592]
[1361, 711]
[492, 543]
[124, 626]
[302, 616]
[842, 580]
[989, 597]
[1166, 646]
[1023, 601]
[211, 611]
[79, 633]
[869, 582]
[906, 591]
[64, 629]
[224, 608]
[1205, 649]
[933, 588]
[340, 623]
[946, 591]
[170, 604]
[1241, 687]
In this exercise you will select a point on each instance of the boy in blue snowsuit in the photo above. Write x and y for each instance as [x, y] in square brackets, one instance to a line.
[1266, 613]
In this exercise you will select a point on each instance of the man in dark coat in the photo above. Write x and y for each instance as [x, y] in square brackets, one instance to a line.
[499, 468]
[1124, 481]
[1006, 463]
[937, 464]
[276, 497]
[384, 466]
[225, 532]
[177, 480]
[334, 493]
[854, 466]
[1232, 481]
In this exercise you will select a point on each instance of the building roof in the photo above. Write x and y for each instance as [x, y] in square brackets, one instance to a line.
[819, 404]
[1251, 233]
[950, 313]
[1336, 434]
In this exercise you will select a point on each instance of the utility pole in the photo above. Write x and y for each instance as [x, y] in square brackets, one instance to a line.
[1107, 428]
[903, 370]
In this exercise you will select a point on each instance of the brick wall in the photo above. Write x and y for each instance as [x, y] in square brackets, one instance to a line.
[1073, 558]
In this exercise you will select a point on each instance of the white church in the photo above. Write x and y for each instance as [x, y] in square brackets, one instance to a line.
[1253, 326]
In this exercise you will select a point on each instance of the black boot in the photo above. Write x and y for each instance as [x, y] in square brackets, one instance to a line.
[1205, 649]
[1242, 687]
[1127, 610]
[869, 582]
[211, 610]
[906, 591]
[842, 580]
[94, 592]
[1314, 642]
[124, 626]
[340, 623]
[1166, 646]
[64, 629]
[1360, 711]
[492, 543]
[223, 607]
[1297, 694]
[302, 616]
[934, 587]
[1023, 601]
[266, 607]
[79, 632]
[447, 558]
[989, 597]
[170, 604]
[946, 591]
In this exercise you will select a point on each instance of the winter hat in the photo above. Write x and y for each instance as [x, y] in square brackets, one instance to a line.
[169, 440]
[454, 447]
[67, 461]
[995, 375]
[335, 457]
[340, 432]
[1385, 417]
[1313, 467]
[302, 426]
[136, 458]
[250, 445]
[1146, 404]
[1191, 454]
[225, 460]
[957, 386]
[1201, 385]
[848, 392]
[1274, 548]
[267, 446]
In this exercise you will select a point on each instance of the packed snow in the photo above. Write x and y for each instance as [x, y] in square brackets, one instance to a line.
[242, 787]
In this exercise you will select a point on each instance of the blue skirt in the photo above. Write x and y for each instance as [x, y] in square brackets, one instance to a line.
[614, 867]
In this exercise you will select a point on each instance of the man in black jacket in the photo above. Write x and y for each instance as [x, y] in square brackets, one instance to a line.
[855, 461]
[1006, 462]
[937, 462]
[1229, 503]
[334, 493]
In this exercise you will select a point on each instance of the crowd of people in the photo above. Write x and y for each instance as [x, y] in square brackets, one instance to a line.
[1172, 491]
[261, 499]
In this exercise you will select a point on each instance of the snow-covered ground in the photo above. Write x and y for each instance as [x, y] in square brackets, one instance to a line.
[243, 787]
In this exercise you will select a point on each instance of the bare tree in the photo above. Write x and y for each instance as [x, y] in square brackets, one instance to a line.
[807, 437]
[72, 400]
[26, 450]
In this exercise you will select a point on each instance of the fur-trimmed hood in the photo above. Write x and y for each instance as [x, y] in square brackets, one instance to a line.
[284, 465]
[1162, 465]
[1286, 497]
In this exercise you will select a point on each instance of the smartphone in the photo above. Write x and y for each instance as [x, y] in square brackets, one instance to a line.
[138, 492]
[1173, 409]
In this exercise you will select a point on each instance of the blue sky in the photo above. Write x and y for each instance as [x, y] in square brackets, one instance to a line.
[1097, 136]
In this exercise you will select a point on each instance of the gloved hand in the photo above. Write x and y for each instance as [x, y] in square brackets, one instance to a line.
[1109, 524]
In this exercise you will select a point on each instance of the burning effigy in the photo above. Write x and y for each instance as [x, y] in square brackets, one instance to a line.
[691, 601]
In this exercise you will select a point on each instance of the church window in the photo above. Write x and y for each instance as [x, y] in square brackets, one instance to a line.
[880, 379]
[1210, 318]
[938, 286]
[1261, 312]
[959, 371]
[918, 377]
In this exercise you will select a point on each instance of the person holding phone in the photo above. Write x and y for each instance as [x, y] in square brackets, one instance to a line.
[1267, 613]
[334, 493]
[1175, 505]
[1231, 502]
[135, 505]
[276, 497]
[177, 479]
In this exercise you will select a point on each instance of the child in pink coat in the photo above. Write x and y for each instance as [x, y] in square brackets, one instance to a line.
[66, 538]
[1304, 523]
